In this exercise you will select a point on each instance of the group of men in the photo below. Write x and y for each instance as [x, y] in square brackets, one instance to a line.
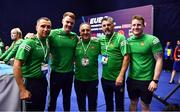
[141, 52]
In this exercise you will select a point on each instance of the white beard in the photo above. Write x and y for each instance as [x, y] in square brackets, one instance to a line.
[107, 32]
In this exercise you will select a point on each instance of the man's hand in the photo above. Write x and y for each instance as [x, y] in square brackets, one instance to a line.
[25, 94]
[152, 86]
[119, 80]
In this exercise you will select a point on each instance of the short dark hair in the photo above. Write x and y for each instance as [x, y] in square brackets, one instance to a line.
[107, 18]
[43, 18]
[139, 17]
[70, 14]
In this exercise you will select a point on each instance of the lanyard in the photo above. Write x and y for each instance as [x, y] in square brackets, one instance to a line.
[85, 49]
[45, 51]
[107, 45]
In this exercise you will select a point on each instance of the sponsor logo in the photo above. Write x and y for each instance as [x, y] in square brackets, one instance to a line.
[38, 48]
[130, 43]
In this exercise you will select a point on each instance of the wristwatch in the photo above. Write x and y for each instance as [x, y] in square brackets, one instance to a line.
[156, 81]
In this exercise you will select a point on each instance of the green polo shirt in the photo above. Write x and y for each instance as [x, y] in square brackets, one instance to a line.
[117, 48]
[62, 48]
[89, 72]
[32, 54]
[142, 61]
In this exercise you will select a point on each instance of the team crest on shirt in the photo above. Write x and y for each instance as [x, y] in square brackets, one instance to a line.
[72, 37]
[142, 43]
[111, 45]
[93, 47]
[123, 43]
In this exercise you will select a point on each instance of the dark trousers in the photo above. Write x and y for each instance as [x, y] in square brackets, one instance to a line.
[58, 82]
[38, 89]
[109, 89]
[89, 89]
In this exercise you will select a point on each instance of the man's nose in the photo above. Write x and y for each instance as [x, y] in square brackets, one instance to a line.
[69, 24]
[46, 28]
[135, 26]
[85, 31]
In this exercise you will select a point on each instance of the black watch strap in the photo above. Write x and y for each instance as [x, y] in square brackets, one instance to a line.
[156, 81]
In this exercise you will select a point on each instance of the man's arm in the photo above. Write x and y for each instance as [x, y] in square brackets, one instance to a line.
[158, 67]
[3, 56]
[120, 78]
[24, 93]
[157, 71]
[12, 53]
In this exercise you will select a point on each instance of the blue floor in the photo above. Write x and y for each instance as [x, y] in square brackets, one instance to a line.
[163, 89]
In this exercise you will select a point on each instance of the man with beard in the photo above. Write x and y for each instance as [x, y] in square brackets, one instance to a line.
[115, 60]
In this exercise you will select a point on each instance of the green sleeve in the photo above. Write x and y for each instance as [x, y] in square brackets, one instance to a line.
[156, 45]
[1, 46]
[24, 49]
[13, 51]
[7, 52]
[0, 52]
[124, 46]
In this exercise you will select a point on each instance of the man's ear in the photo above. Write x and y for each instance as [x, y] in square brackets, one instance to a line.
[145, 24]
[62, 21]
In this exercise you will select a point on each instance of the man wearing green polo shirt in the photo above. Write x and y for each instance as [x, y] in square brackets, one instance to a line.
[145, 65]
[115, 60]
[29, 57]
[16, 36]
[62, 47]
[86, 70]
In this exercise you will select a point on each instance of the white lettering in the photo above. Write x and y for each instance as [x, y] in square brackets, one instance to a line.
[96, 20]
[126, 25]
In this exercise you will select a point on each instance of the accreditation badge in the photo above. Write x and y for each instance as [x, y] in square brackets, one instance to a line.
[44, 69]
[85, 61]
[104, 59]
